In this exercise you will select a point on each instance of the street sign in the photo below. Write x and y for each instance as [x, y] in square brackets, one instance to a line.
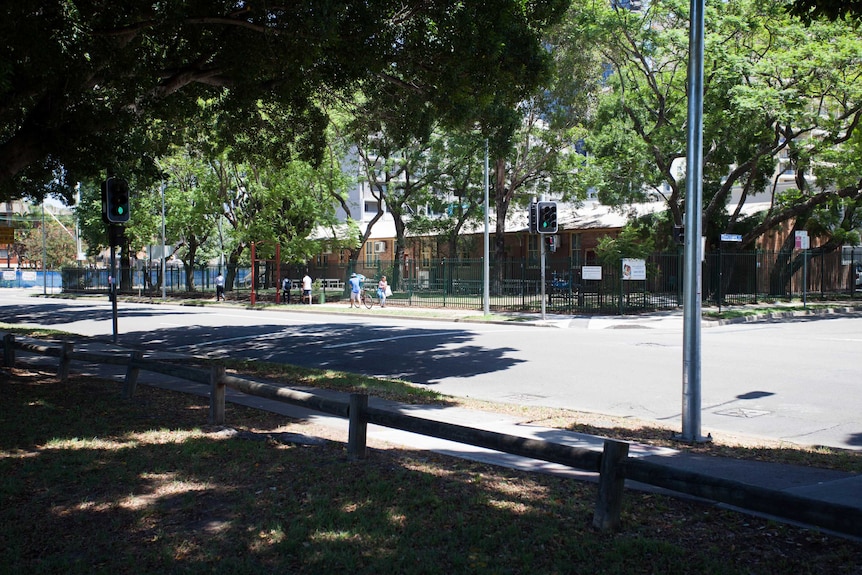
[802, 240]
[731, 237]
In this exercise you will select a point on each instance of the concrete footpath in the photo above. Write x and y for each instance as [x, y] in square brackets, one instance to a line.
[818, 485]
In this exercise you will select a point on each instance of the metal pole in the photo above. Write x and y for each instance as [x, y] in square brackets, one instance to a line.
[486, 283]
[693, 275]
[164, 264]
[112, 284]
[542, 276]
[44, 254]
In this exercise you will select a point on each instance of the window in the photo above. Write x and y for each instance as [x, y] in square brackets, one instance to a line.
[576, 250]
[425, 254]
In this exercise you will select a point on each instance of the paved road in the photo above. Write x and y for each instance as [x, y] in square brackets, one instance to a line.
[797, 381]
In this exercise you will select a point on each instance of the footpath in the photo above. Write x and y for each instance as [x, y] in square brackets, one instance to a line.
[816, 485]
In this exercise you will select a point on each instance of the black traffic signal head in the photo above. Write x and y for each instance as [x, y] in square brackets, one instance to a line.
[531, 209]
[546, 217]
[117, 201]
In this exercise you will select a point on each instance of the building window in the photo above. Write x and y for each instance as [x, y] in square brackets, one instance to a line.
[576, 250]
[425, 254]
[370, 256]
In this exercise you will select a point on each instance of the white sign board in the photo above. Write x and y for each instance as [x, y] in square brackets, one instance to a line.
[731, 237]
[591, 272]
[802, 240]
[8, 275]
[634, 269]
[28, 276]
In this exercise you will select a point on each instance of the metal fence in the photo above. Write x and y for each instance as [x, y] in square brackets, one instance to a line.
[728, 278]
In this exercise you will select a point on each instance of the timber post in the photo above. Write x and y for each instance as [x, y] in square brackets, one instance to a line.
[132, 372]
[357, 430]
[65, 361]
[217, 394]
[9, 350]
[611, 482]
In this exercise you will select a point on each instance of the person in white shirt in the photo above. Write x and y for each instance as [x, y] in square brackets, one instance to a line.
[219, 283]
[306, 287]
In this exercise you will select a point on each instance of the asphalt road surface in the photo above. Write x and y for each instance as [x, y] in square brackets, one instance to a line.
[798, 381]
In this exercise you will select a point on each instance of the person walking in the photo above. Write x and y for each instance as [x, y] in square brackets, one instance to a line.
[306, 287]
[355, 284]
[286, 286]
[219, 283]
[382, 291]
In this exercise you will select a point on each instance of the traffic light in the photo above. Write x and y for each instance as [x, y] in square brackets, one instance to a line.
[531, 208]
[546, 217]
[116, 201]
[679, 234]
[551, 243]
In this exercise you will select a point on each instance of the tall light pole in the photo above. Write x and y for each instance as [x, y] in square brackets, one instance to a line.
[164, 265]
[693, 277]
[44, 254]
[486, 269]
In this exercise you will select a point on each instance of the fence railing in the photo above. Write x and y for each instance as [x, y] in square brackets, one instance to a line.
[613, 464]
[729, 278]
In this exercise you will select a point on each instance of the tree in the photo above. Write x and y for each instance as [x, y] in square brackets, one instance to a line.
[778, 95]
[50, 236]
[548, 126]
[89, 86]
[810, 10]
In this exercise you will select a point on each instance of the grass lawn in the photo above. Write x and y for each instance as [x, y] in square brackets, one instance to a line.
[90, 483]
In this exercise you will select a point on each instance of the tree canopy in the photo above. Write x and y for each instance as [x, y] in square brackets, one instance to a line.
[780, 99]
[92, 85]
[810, 10]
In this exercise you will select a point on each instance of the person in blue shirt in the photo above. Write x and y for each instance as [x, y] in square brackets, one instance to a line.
[355, 283]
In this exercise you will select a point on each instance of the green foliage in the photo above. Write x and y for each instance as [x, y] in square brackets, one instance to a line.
[87, 87]
[633, 242]
[767, 94]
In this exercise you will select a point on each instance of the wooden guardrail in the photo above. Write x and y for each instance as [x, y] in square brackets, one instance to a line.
[613, 464]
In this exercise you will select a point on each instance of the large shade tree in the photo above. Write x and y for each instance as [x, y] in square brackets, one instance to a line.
[86, 86]
[778, 95]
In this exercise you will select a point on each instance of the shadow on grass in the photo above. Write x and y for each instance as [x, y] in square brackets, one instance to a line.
[94, 484]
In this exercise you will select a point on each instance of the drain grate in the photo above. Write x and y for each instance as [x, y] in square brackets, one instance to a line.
[743, 413]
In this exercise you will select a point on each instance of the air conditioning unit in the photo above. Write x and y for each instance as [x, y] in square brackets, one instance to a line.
[379, 247]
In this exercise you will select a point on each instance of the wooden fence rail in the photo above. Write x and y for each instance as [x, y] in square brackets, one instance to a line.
[613, 465]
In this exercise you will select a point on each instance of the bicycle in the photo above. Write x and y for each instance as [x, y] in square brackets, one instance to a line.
[369, 297]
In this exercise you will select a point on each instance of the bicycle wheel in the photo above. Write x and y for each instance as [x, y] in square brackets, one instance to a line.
[366, 299]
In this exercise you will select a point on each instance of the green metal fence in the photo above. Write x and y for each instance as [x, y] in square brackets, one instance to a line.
[728, 278]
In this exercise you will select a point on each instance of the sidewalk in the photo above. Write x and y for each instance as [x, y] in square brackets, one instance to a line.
[818, 485]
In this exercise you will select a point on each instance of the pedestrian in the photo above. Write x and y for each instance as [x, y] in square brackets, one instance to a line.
[219, 283]
[306, 287]
[382, 291]
[286, 286]
[355, 288]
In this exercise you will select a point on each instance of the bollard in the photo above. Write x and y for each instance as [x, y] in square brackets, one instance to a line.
[357, 430]
[65, 361]
[611, 483]
[9, 350]
[132, 372]
[217, 395]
